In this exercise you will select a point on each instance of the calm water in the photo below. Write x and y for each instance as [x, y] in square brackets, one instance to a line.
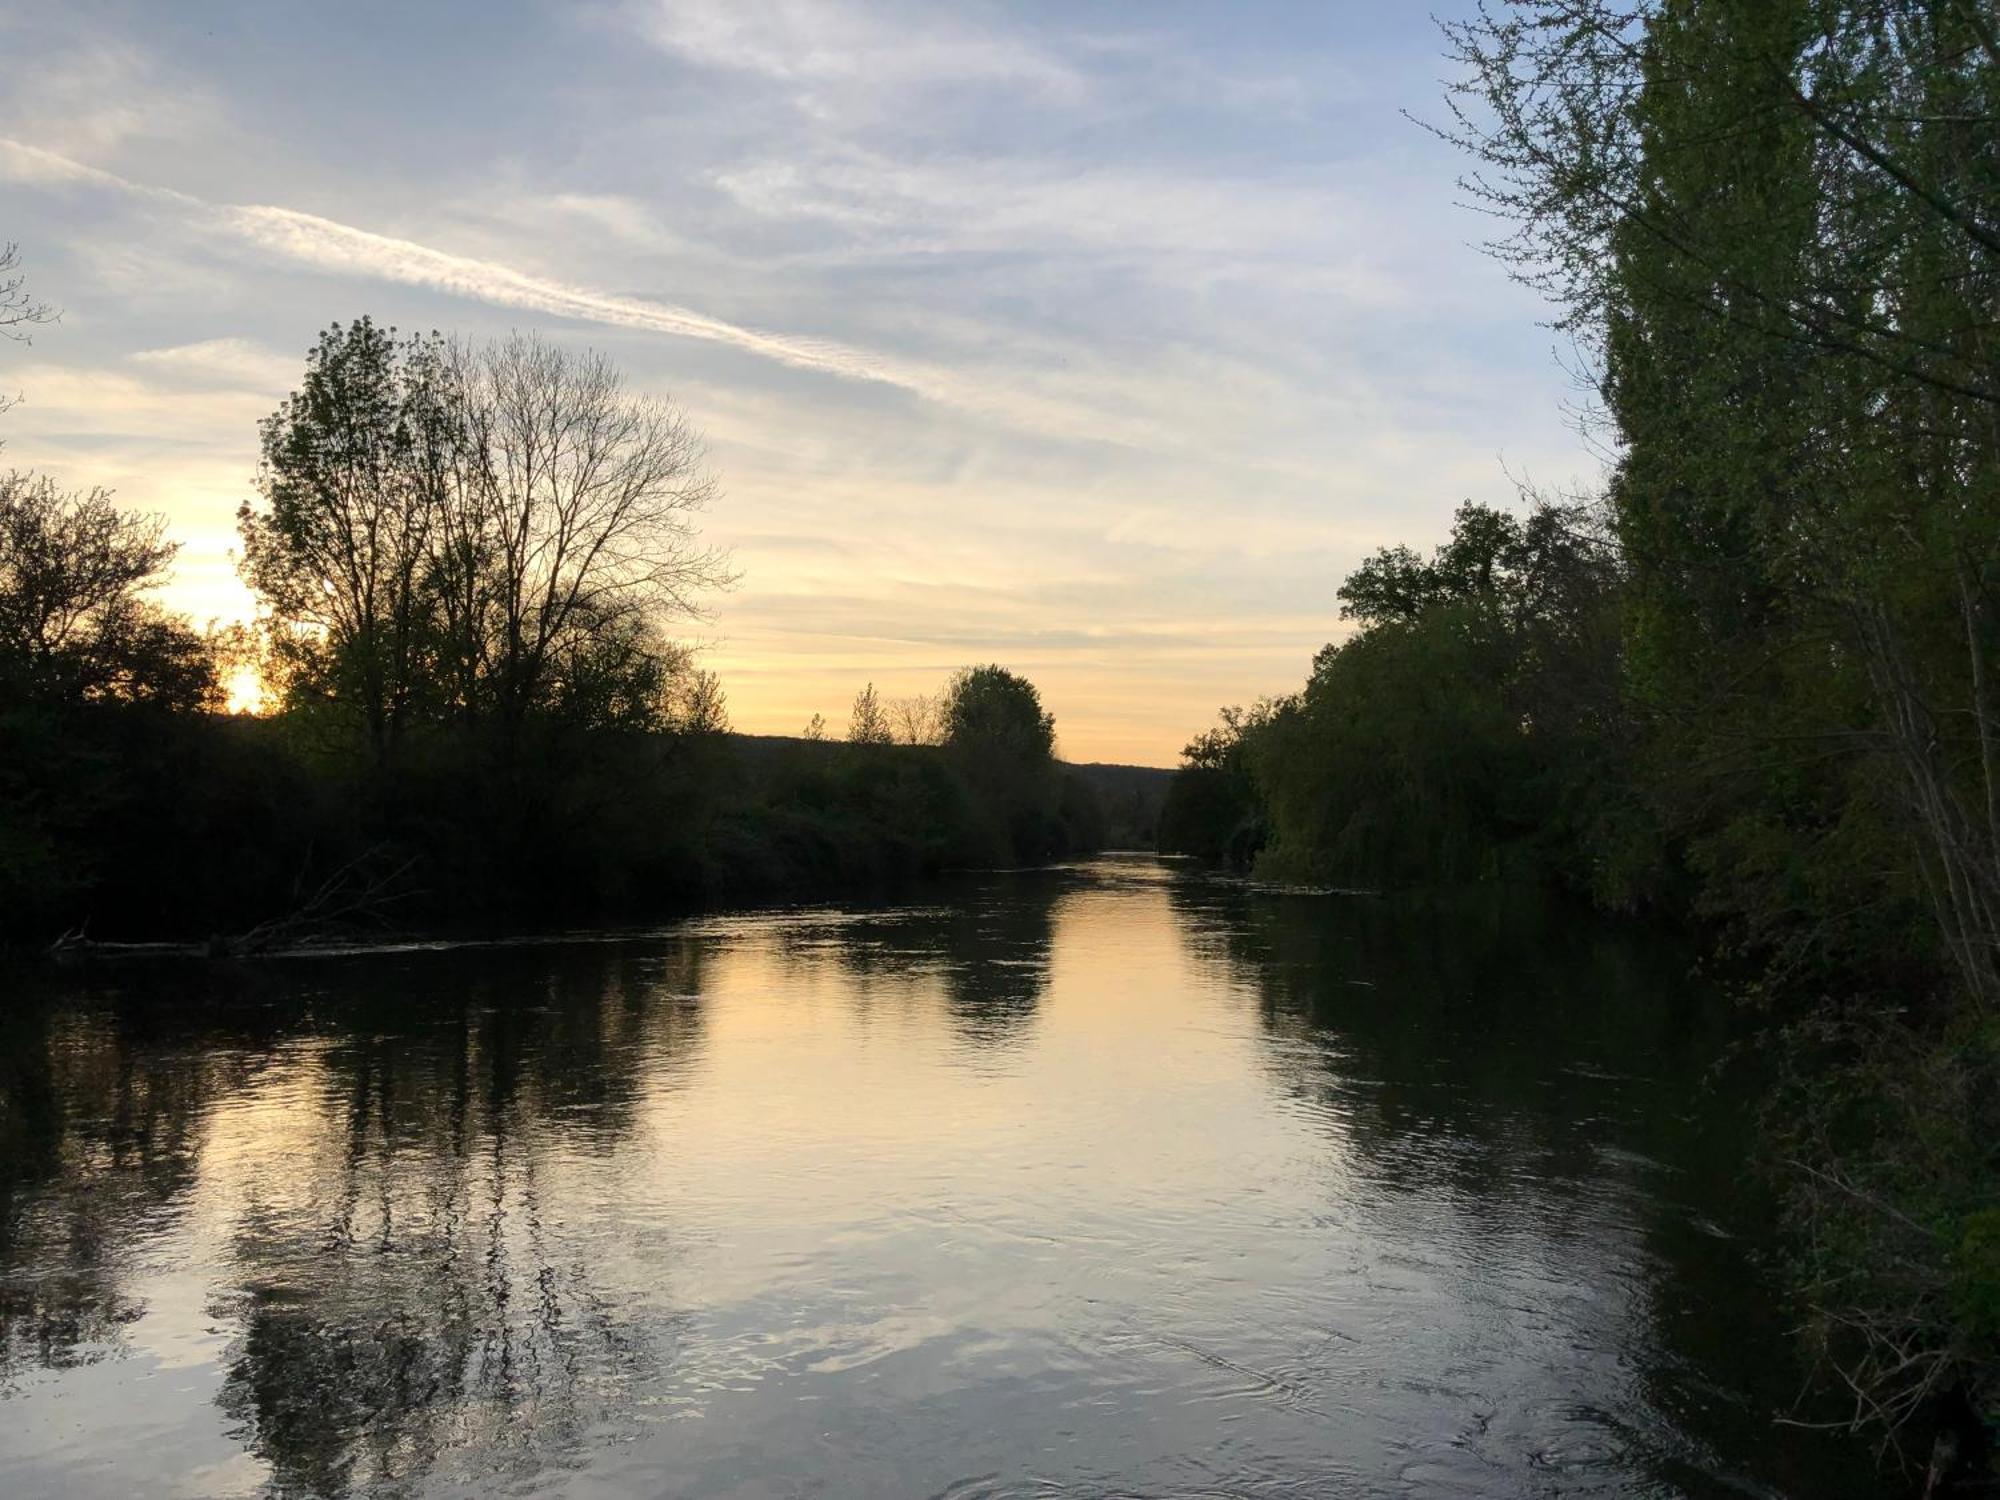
[1103, 1181]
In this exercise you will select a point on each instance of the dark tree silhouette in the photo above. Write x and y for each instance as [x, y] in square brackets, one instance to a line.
[75, 621]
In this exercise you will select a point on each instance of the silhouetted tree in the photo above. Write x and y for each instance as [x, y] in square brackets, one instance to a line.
[20, 310]
[1003, 741]
[918, 719]
[496, 535]
[75, 623]
[341, 552]
[578, 508]
[868, 724]
[700, 706]
[991, 710]
[1214, 807]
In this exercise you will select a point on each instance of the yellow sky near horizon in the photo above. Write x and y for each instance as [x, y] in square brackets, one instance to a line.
[1102, 354]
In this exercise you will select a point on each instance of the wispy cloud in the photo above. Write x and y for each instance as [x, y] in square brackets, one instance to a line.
[37, 166]
[326, 245]
[230, 363]
[87, 99]
[839, 56]
[1022, 208]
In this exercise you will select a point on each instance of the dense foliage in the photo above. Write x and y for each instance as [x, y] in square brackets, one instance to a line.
[1762, 697]
[1471, 729]
[1777, 225]
[90, 668]
[999, 738]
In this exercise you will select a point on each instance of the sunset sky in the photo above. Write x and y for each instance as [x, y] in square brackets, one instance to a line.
[1096, 340]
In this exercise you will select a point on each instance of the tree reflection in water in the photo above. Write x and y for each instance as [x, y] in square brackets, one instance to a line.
[994, 956]
[1520, 1080]
[100, 1134]
[1235, 1192]
[406, 1273]
[986, 955]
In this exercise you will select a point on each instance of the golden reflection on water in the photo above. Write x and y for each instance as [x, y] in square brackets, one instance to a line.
[1104, 1180]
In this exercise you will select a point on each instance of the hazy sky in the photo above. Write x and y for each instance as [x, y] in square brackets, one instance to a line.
[1096, 340]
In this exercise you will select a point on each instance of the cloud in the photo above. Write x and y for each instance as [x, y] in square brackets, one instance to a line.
[33, 166]
[812, 44]
[980, 206]
[71, 404]
[236, 364]
[87, 100]
[845, 65]
[327, 245]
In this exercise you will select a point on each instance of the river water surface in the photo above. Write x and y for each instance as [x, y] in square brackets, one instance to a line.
[1102, 1181]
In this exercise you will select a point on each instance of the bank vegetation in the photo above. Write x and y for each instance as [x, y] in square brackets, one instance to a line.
[1751, 686]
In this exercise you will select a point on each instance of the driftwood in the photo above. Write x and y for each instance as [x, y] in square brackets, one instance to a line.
[77, 943]
[352, 895]
[357, 894]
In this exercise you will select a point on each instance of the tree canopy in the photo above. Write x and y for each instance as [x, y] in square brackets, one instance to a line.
[494, 535]
[77, 624]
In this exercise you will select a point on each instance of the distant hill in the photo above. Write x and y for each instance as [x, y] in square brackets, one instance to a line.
[1131, 795]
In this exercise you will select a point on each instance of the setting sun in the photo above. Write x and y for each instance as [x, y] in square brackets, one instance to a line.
[245, 692]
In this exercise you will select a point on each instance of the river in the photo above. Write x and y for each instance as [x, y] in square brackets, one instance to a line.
[1110, 1180]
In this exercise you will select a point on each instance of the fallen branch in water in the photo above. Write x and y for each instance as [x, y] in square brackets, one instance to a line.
[357, 894]
[351, 895]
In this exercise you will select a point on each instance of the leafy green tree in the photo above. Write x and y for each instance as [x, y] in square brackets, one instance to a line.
[1215, 806]
[1774, 226]
[1792, 324]
[1470, 730]
[1402, 760]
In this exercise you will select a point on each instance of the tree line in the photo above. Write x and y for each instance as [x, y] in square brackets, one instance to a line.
[1751, 685]
[471, 562]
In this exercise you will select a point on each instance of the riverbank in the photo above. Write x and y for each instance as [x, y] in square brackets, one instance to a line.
[126, 824]
[1483, 725]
